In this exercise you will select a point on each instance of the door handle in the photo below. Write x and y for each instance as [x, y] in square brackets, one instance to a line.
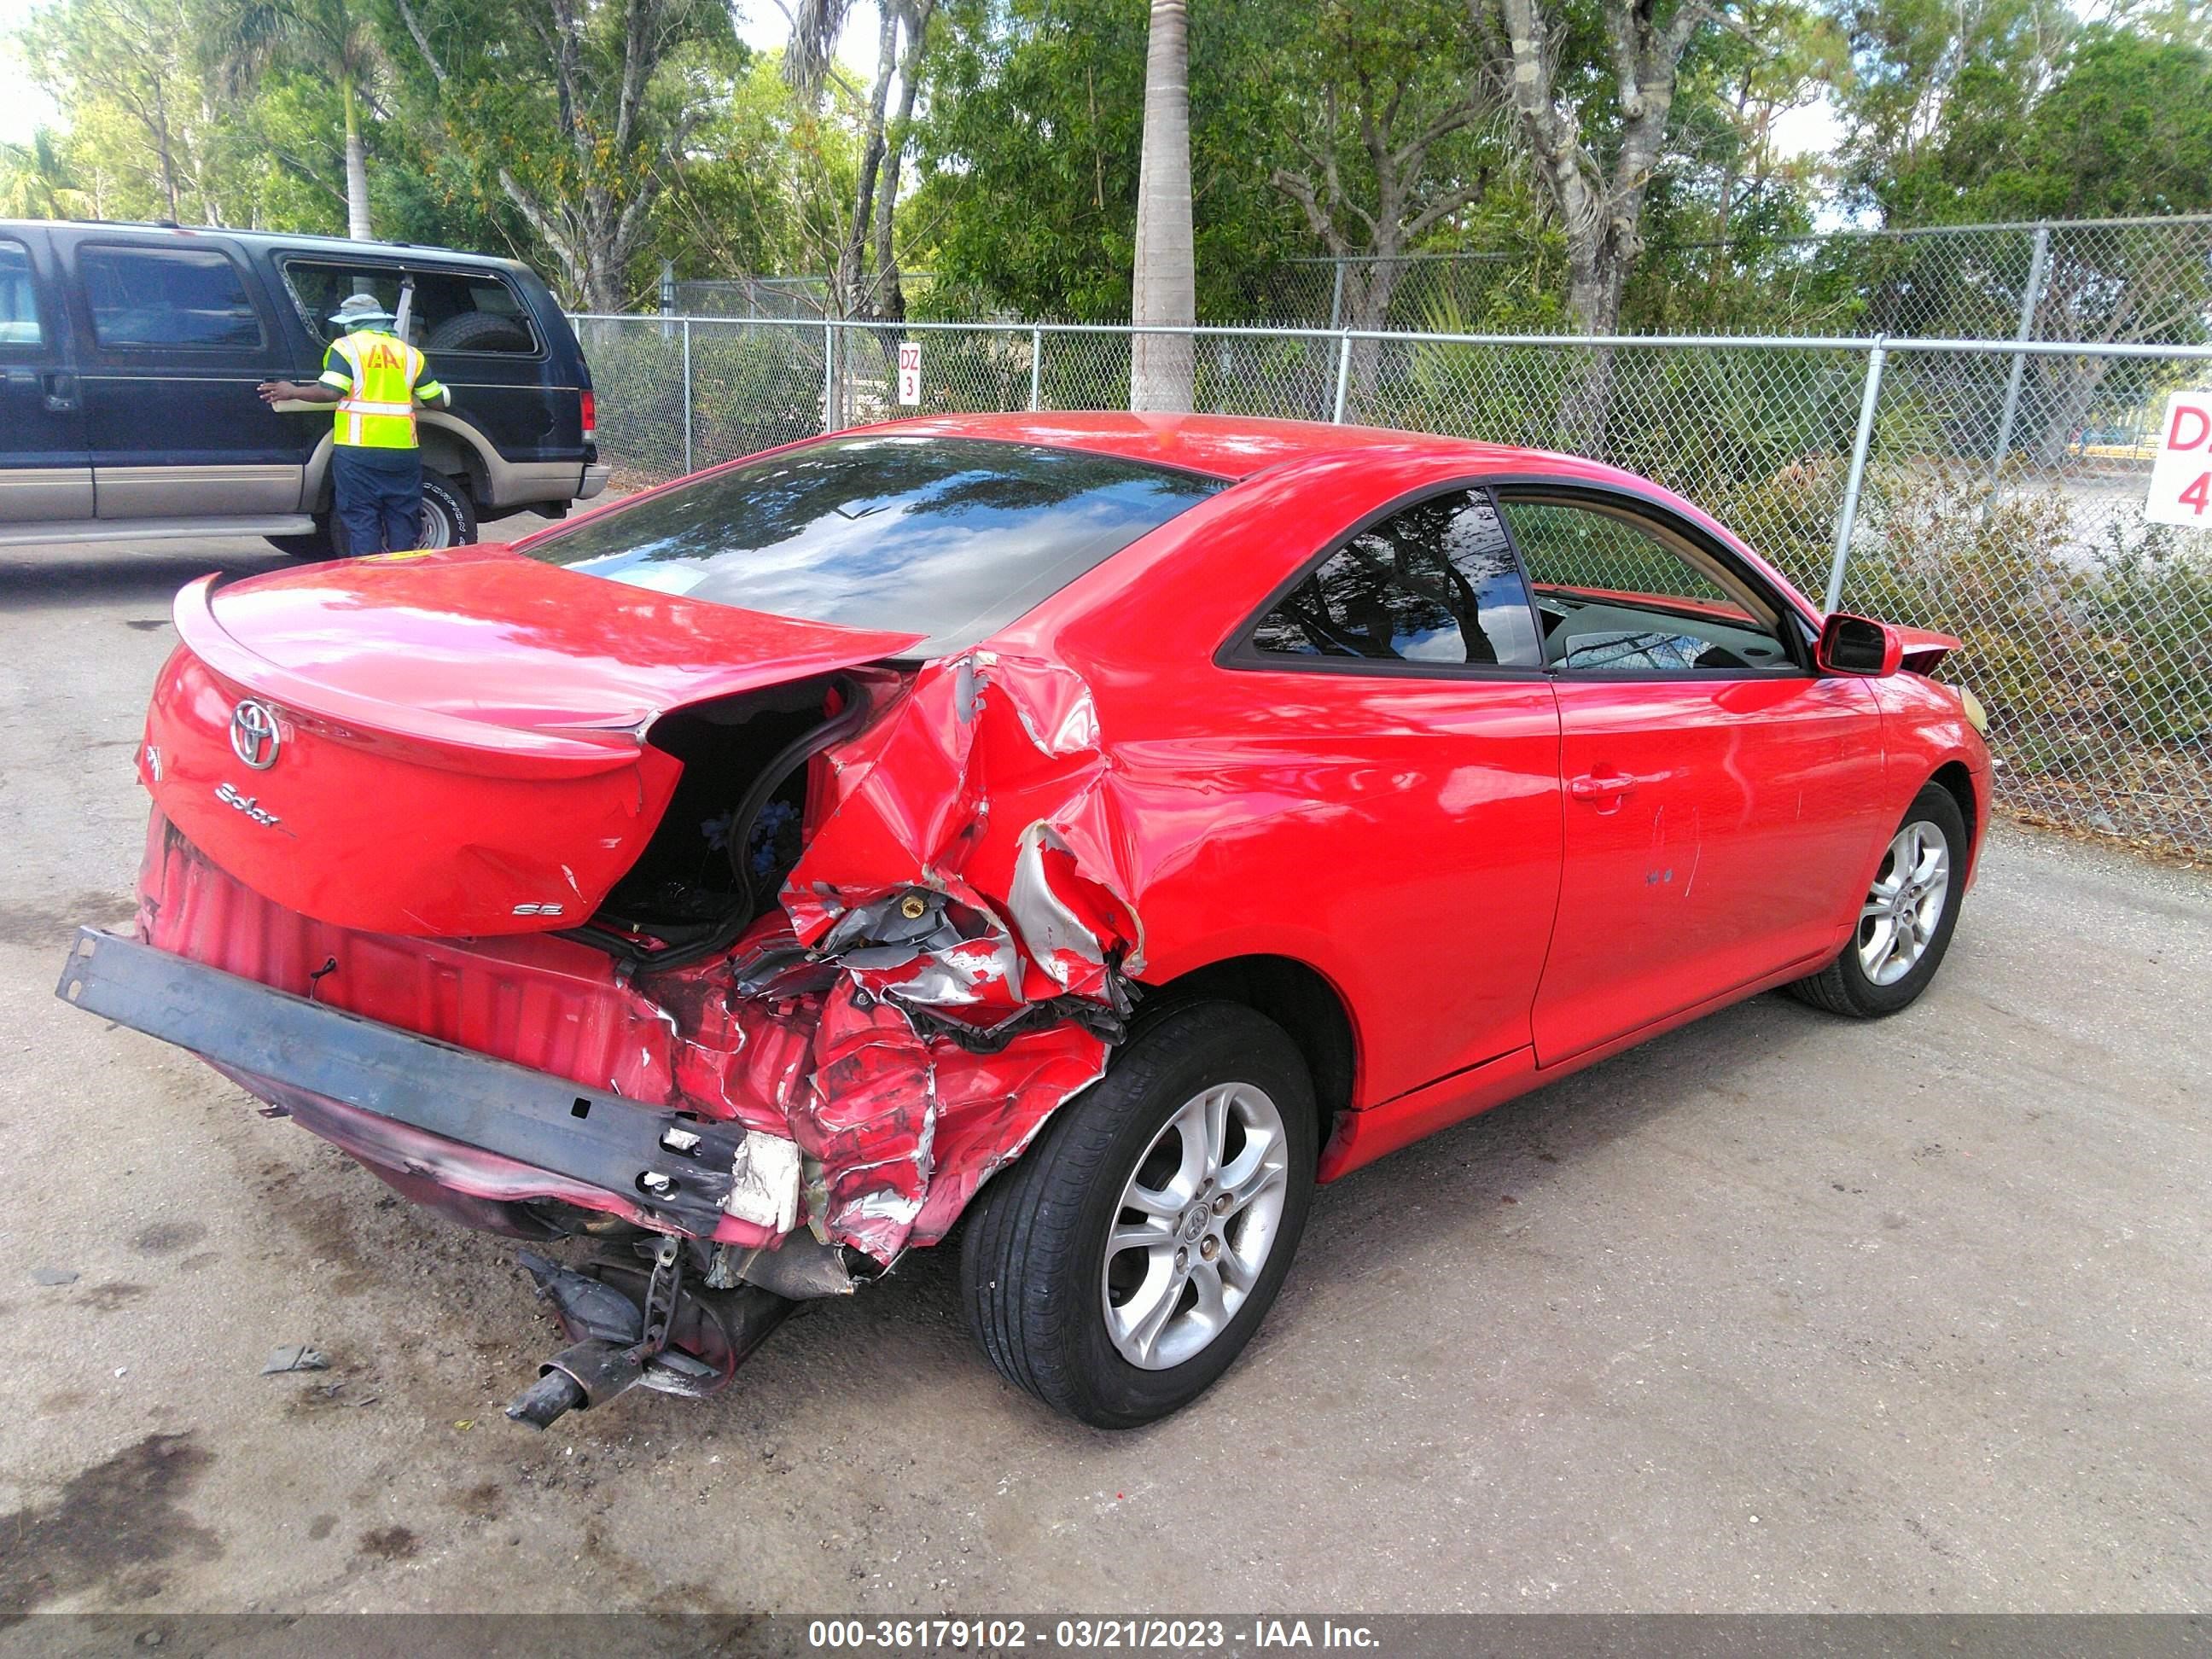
[1590, 786]
[61, 392]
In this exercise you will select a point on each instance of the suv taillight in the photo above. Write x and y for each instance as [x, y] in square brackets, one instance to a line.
[591, 417]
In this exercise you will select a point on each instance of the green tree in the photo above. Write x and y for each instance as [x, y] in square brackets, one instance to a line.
[35, 183]
[902, 32]
[745, 197]
[576, 114]
[1728, 210]
[1592, 99]
[127, 75]
[1029, 147]
[330, 40]
[1389, 131]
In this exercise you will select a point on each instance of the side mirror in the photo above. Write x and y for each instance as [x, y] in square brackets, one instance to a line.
[1857, 645]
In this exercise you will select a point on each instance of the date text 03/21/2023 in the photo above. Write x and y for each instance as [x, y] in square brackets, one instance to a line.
[1085, 1635]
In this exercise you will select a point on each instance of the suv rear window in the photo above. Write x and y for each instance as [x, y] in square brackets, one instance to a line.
[950, 538]
[453, 310]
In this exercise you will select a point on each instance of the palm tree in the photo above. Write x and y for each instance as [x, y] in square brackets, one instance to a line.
[1164, 291]
[35, 183]
[325, 38]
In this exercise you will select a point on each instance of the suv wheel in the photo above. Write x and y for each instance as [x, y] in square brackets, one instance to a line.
[1121, 1266]
[449, 519]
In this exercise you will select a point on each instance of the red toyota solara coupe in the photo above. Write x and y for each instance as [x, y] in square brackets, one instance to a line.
[1094, 828]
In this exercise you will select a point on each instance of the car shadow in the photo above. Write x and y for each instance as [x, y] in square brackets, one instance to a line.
[914, 1317]
[45, 577]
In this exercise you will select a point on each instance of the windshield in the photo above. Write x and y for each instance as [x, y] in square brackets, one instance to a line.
[950, 538]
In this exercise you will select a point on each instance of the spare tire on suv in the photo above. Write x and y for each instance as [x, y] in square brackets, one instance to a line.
[478, 330]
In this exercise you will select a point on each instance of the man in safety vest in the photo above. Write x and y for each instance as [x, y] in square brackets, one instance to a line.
[377, 382]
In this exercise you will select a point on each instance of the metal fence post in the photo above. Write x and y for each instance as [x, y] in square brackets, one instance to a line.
[1847, 520]
[828, 375]
[1336, 298]
[1037, 369]
[2037, 263]
[1343, 372]
[688, 466]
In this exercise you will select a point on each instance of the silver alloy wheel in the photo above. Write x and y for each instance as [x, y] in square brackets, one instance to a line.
[1198, 1217]
[1906, 904]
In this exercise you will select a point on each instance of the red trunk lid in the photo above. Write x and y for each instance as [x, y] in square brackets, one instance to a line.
[459, 738]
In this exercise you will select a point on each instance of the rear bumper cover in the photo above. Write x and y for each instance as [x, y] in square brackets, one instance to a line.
[429, 1108]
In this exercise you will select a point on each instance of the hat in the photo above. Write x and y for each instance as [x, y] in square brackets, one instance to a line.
[356, 309]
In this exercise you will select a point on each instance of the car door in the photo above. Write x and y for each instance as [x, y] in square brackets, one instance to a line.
[1718, 792]
[1391, 704]
[179, 334]
[46, 472]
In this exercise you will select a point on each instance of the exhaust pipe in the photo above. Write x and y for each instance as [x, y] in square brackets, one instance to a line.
[590, 1374]
[701, 1338]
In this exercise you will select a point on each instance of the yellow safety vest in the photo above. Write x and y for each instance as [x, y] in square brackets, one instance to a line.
[384, 375]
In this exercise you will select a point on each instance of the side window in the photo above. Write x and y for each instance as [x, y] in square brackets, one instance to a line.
[1617, 596]
[1434, 584]
[454, 311]
[167, 297]
[19, 299]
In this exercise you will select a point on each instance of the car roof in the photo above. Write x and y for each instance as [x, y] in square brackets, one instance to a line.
[1237, 446]
[275, 240]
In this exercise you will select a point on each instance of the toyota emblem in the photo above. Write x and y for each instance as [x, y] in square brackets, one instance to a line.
[253, 735]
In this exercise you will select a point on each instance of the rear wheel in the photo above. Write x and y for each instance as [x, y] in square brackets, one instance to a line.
[1906, 919]
[449, 517]
[1121, 1266]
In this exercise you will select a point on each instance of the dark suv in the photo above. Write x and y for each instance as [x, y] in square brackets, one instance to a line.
[128, 356]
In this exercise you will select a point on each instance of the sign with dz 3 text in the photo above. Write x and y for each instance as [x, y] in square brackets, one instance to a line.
[2181, 474]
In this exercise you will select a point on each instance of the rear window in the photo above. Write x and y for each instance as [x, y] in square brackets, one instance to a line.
[949, 538]
[454, 311]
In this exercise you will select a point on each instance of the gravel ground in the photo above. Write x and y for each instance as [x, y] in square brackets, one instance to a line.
[1778, 1313]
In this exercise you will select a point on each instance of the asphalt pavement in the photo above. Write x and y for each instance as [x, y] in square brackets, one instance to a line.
[1778, 1313]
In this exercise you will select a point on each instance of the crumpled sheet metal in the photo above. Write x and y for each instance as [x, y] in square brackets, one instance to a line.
[964, 863]
[965, 866]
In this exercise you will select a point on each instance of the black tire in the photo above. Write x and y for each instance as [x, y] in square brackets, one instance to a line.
[449, 517]
[1034, 1261]
[319, 544]
[1844, 986]
[478, 330]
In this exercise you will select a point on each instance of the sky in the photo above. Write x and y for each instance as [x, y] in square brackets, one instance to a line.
[23, 107]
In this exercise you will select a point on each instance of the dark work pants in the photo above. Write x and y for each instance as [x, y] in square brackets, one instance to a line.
[379, 498]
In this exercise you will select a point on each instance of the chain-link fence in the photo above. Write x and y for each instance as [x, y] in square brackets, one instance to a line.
[1997, 492]
[2097, 279]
